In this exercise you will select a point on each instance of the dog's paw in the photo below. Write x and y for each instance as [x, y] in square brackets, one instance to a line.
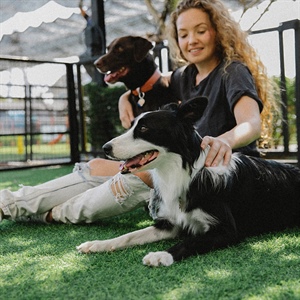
[155, 259]
[95, 246]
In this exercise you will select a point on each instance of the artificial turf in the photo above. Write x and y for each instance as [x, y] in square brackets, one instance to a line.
[41, 262]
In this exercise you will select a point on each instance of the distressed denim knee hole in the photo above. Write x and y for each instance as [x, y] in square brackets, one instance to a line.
[120, 189]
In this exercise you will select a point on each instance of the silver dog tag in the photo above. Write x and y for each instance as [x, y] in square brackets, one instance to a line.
[141, 101]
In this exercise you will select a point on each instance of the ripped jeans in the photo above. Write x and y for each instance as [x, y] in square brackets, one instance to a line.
[77, 197]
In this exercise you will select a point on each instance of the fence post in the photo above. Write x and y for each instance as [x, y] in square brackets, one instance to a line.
[297, 83]
[81, 111]
[284, 102]
[161, 53]
[72, 111]
[295, 24]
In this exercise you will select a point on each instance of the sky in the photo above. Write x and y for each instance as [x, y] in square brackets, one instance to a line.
[267, 45]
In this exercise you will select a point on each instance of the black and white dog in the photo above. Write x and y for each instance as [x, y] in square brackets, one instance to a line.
[213, 207]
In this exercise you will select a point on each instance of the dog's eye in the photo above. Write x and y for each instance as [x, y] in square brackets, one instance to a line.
[143, 128]
[119, 49]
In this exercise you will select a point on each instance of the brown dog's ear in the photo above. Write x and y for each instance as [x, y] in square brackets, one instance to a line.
[141, 48]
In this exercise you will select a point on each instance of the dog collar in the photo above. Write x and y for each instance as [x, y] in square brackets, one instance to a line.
[148, 84]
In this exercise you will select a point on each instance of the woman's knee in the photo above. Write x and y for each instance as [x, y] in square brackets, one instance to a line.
[103, 167]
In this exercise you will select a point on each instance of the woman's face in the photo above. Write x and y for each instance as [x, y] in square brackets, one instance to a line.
[196, 37]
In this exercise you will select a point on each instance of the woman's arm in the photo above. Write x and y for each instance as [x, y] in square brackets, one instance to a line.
[247, 130]
[125, 110]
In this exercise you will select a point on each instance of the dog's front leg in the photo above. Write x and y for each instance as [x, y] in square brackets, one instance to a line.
[187, 248]
[217, 238]
[147, 235]
[159, 258]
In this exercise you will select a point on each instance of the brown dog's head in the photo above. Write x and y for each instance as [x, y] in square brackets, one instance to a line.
[122, 54]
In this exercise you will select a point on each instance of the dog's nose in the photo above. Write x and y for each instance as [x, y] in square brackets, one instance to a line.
[96, 62]
[100, 62]
[107, 148]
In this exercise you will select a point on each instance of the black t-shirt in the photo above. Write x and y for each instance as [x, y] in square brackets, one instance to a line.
[223, 89]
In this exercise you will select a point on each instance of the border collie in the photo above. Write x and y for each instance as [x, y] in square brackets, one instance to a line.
[214, 207]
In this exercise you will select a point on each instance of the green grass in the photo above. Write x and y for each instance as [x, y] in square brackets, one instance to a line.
[42, 151]
[41, 262]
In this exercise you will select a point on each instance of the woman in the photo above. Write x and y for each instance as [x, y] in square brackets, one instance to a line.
[221, 65]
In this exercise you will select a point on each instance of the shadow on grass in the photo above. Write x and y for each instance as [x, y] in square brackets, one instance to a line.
[41, 262]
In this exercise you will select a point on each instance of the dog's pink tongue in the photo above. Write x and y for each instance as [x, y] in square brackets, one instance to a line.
[131, 164]
[115, 76]
[111, 78]
[137, 161]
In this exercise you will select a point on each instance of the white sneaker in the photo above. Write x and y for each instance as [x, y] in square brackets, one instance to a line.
[41, 218]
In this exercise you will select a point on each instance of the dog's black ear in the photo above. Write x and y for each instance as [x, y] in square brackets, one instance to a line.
[192, 109]
[141, 48]
[170, 106]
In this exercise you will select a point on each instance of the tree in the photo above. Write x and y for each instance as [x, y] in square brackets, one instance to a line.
[247, 4]
[160, 17]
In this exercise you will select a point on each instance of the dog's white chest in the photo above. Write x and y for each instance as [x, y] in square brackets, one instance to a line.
[195, 221]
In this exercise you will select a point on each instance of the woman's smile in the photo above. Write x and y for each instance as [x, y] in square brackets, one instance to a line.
[197, 38]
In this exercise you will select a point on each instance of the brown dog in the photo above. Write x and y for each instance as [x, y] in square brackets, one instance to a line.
[128, 60]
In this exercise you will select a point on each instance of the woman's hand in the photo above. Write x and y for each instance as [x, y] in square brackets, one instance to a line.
[247, 130]
[219, 151]
[125, 110]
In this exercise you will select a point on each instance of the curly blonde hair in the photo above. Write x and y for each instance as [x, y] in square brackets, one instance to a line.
[231, 44]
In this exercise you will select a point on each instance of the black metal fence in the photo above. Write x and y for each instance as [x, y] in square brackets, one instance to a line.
[37, 100]
[42, 117]
[286, 152]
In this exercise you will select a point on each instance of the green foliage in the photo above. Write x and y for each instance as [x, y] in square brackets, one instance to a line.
[291, 110]
[103, 121]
